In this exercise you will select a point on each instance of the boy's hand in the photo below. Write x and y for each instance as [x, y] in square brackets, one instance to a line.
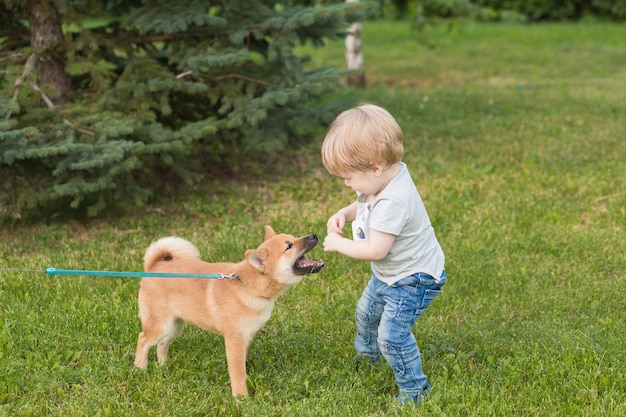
[332, 241]
[336, 223]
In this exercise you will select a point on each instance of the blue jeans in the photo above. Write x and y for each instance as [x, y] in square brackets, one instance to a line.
[385, 316]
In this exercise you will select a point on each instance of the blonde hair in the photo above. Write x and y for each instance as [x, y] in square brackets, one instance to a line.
[360, 138]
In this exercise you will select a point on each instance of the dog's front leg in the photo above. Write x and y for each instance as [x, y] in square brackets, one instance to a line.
[141, 355]
[236, 353]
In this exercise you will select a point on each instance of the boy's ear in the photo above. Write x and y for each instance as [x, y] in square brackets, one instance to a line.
[377, 169]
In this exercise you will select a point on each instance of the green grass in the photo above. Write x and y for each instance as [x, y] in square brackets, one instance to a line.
[515, 137]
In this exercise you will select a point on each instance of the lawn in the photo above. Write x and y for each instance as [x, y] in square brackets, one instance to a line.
[515, 137]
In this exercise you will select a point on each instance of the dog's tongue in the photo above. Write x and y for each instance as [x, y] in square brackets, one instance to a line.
[305, 263]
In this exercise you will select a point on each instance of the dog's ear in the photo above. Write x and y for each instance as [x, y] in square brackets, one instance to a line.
[256, 258]
[269, 232]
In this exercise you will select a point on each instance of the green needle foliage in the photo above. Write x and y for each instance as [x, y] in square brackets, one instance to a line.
[158, 91]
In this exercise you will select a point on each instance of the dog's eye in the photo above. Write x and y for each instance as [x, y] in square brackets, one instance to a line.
[289, 246]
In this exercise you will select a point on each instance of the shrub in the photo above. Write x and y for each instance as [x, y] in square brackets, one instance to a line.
[104, 104]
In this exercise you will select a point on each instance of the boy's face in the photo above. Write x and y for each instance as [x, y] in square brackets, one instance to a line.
[365, 182]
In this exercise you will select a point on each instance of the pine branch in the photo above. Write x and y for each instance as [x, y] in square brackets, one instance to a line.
[184, 74]
[28, 68]
[73, 126]
[10, 56]
[244, 77]
[44, 96]
[226, 76]
[141, 40]
[51, 105]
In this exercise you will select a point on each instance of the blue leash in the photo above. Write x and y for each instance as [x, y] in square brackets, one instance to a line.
[55, 271]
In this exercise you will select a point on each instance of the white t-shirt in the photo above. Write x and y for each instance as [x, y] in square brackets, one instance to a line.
[399, 210]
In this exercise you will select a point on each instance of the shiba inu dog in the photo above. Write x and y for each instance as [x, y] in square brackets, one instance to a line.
[236, 308]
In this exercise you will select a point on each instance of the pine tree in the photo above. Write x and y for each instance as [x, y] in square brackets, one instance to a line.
[153, 86]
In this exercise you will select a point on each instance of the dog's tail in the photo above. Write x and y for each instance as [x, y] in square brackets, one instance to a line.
[166, 249]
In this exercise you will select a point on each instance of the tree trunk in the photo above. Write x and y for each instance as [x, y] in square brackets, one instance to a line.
[354, 56]
[47, 40]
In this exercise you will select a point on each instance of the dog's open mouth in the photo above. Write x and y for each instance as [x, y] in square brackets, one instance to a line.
[308, 266]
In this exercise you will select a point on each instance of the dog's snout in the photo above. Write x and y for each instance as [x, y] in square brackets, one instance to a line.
[313, 237]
